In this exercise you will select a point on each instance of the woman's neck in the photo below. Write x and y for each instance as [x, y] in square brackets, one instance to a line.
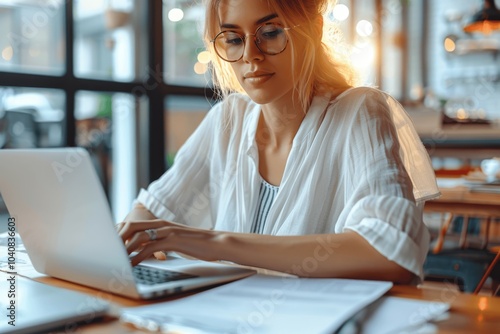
[275, 133]
[277, 126]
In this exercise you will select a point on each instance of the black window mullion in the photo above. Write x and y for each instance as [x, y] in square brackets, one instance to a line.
[69, 77]
[156, 95]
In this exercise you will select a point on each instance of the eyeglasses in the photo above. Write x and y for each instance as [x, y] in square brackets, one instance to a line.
[270, 38]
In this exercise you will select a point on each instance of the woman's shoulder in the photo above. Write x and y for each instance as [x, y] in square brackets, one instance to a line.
[364, 100]
[362, 93]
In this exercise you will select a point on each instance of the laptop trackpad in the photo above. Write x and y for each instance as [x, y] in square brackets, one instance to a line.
[195, 267]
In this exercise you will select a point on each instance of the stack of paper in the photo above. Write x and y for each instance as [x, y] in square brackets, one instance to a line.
[272, 304]
[262, 304]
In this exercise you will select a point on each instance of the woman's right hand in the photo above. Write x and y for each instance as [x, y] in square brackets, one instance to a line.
[153, 237]
[138, 213]
[134, 235]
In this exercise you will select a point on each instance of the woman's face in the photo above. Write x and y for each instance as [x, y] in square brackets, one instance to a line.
[267, 79]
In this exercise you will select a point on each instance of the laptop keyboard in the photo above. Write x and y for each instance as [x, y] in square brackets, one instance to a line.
[151, 276]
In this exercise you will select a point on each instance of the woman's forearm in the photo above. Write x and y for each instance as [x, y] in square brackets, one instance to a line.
[345, 255]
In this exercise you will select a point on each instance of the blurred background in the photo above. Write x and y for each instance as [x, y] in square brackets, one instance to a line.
[129, 81]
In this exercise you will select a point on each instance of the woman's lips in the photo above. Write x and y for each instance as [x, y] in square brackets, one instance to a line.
[257, 77]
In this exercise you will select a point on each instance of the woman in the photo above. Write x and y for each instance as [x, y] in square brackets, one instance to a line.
[299, 172]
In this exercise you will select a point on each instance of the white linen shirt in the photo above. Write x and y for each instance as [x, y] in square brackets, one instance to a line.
[347, 170]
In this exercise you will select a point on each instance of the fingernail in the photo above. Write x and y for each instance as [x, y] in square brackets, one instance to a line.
[160, 255]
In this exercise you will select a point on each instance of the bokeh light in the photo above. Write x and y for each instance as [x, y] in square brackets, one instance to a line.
[8, 53]
[175, 14]
[340, 12]
[364, 28]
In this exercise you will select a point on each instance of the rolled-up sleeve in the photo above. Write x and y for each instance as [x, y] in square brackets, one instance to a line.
[393, 226]
[381, 206]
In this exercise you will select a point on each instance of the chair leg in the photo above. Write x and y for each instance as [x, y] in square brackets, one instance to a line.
[463, 234]
[442, 233]
[487, 273]
[495, 287]
[486, 233]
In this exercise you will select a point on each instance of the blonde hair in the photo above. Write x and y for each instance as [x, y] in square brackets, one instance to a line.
[324, 68]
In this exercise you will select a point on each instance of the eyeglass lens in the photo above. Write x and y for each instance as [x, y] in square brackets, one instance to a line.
[269, 38]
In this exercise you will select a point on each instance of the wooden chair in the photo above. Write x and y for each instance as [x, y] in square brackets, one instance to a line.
[467, 267]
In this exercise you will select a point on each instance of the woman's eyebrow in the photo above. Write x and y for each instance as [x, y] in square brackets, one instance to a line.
[259, 21]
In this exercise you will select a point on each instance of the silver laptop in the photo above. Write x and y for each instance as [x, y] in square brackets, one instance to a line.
[62, 215]
[32, 307]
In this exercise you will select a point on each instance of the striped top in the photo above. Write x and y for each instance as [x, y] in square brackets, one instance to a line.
[267, 194]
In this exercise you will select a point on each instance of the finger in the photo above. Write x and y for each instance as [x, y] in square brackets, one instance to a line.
[138, 240]
[123, 230]
[131, 228]
[148, 250]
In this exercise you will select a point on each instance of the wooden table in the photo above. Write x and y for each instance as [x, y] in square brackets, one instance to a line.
[460, 200]
[468, 314]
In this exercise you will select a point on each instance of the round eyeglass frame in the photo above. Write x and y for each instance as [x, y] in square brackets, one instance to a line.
[254, 40]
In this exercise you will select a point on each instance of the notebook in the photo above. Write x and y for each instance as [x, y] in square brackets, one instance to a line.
[64, 220]
[32, 307]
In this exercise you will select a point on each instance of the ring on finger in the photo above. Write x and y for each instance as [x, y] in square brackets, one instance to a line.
[151, 233]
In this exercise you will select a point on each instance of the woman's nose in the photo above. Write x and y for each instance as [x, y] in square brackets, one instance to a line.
[250, 51]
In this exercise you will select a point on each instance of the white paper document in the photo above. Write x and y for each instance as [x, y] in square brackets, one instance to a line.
[394, 315]
[262, 304]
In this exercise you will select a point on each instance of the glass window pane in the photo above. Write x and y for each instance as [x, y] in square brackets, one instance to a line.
[392, 48]
[33, 36]
[365, 28]
[185, 57]
[31, 117]
[341, 15]
[105, 126]
[414, 43]
[182, 116]
[358, 27]
[110, 41]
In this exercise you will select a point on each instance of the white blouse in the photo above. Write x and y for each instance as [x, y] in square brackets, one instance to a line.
[356, 163]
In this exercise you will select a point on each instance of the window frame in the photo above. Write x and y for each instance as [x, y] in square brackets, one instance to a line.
[152, 144]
